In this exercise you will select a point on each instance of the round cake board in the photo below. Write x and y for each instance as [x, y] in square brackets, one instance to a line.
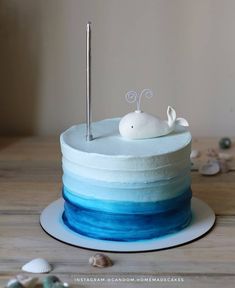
[202, 221]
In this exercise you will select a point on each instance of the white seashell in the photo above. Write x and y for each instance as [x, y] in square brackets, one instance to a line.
[26, 281]
[195, 154]
[38, 265]
[210, 168]
[11, 281]
[225, 156]
[100, 260]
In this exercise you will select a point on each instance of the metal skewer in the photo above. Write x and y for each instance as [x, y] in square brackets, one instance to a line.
[89, 136]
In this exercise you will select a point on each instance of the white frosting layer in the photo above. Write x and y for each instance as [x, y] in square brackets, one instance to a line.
[111, 158]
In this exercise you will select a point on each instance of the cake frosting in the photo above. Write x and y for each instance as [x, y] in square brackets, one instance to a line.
[125, 190]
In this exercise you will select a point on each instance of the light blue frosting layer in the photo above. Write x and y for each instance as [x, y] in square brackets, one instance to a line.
[108, 141]
[135, 192]
[111, 158]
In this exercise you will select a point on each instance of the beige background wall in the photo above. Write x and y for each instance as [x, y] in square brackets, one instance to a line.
[184, 50]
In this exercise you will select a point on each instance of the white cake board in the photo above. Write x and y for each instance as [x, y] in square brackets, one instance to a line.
[202, 221]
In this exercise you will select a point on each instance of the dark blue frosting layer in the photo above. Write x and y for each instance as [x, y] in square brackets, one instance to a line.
[126, 221]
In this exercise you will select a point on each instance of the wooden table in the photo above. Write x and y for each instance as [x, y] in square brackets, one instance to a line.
[30, 178]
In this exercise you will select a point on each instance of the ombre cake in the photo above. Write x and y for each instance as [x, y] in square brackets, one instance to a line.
[125, 190]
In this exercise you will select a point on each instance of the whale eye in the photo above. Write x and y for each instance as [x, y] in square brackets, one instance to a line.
[132, 126]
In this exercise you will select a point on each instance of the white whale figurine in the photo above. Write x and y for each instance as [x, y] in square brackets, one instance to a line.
[140, 125]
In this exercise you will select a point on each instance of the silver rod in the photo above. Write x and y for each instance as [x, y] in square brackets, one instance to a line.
[89, 136]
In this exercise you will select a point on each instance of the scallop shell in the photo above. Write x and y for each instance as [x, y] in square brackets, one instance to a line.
[195, 154]
[225, 156]
[210, 168]
[26, 281]
[38, 265]
[100, 260]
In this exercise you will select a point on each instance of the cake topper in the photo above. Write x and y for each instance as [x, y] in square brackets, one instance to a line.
[140, 125]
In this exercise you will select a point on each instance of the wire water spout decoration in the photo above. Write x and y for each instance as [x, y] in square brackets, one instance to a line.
[133, 96]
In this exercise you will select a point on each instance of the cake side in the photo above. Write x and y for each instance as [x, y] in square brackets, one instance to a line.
[136, 193]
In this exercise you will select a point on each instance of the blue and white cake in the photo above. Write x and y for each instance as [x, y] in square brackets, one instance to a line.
[123, 189]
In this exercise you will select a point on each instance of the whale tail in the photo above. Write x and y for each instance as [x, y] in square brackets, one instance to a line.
[171, 115]
[172, 120]
[182, 122]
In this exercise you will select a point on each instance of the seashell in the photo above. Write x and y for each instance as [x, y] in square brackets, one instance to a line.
[49, 281]
[60, 285]
[224, 166]
[194, 166]
[26, 281]
[211, 152]
[38, 265]
[225, 156]
[13, 283]
[210, 168]
[225, 143]
[100, 260]
[195, 154]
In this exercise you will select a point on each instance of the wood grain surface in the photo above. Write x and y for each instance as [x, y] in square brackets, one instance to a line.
[30, 178]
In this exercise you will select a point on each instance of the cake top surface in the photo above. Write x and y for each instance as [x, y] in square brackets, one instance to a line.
[108, 141]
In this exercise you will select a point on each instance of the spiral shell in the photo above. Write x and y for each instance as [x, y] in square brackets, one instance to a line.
[100, 260]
